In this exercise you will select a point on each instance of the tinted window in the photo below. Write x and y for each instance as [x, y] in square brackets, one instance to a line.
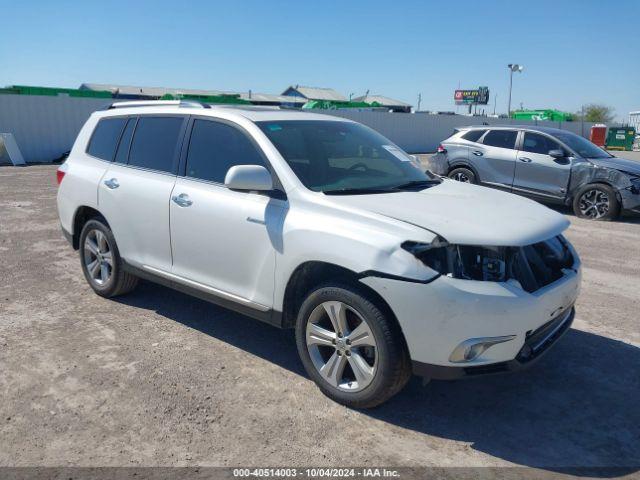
[334, 156]
[473, 135]
[155, 143]
[501, 138]
[105, 137]
[216, 147]
[125, 141]
[582, 146]
[536, 143]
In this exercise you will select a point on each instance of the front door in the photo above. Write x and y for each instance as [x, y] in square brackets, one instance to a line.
[224, 241]
[538, 173]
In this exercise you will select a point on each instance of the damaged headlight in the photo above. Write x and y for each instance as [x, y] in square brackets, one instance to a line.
[462, 261]
[531, 266]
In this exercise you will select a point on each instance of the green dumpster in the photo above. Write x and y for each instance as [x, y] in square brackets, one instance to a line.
[621, 138]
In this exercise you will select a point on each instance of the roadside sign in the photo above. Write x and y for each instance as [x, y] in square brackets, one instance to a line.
[479, 96]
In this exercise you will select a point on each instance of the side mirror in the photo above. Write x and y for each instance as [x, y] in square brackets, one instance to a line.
[557, 153]
[248, 178]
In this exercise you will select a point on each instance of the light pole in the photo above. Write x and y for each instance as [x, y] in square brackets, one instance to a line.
[513, 67]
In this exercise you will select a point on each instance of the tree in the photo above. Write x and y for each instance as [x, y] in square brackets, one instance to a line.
[596, 113]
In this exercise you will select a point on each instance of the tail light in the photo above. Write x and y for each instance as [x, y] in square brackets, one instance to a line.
[60, 175]
[441, 149]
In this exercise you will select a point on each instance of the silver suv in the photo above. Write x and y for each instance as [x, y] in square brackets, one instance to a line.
[546, 164]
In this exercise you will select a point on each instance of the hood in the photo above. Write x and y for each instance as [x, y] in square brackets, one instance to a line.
[630, 166]
[466, 214]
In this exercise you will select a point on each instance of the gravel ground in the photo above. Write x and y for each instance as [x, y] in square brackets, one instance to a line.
[159, 378]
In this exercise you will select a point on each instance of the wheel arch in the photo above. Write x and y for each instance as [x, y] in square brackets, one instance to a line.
[463, 164]
[81, 216]
[311, 274]
[599, 181]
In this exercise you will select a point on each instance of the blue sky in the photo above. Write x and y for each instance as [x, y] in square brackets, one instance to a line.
[574, 52]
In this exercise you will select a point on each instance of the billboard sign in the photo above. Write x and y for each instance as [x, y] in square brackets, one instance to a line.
[480, 96]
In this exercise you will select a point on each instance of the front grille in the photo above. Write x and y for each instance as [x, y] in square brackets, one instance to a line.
[540, 264]
[543, 337]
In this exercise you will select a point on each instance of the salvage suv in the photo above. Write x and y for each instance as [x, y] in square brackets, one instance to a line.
[320, 224]
[546, 164]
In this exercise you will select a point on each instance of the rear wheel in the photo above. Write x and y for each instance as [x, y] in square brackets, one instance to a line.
[101, 262]
[462, 174]
[596, 201]
[350, 348]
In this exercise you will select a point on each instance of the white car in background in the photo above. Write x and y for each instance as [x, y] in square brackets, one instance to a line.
[320, 224]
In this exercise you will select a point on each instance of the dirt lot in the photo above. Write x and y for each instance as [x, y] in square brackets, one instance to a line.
[159, 378]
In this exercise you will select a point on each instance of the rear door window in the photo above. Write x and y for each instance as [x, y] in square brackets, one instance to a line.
[473, 135]
[215, 147]
[536, 143]
[501, 138]
[155, 143]
[105, 138]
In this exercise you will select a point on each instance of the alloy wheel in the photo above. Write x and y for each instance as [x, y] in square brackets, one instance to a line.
[594, 203]
[341, 346]
[98, 258]
[461, 177]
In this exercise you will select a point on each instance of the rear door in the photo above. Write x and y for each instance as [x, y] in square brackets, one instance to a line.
[495, 157]
[135, 191]
[538, 173]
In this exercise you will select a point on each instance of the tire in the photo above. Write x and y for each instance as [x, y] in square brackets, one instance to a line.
[462, 174]
[387, 365]
[596, 201]
[114, 280]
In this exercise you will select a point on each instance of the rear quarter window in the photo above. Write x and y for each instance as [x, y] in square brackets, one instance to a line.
[104, 139]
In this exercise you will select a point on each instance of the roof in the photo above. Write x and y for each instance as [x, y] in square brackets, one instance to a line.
[250, 112]
[536, 128]
[148, 91]
[382, 100]
[318, 93]
[267, 97]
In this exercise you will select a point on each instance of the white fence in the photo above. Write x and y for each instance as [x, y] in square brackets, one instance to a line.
[45, 127]
[422, 132]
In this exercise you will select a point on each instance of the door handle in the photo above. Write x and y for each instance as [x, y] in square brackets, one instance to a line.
[112, 183]
[525, 159]
[478, 153]
[182, 200]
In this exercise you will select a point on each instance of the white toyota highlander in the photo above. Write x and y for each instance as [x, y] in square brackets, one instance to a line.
[318, 223]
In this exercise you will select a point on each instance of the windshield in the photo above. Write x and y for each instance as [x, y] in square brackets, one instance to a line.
[581, 146]
[334, 156]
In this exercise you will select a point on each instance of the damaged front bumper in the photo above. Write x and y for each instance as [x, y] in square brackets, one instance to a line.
[630, 198]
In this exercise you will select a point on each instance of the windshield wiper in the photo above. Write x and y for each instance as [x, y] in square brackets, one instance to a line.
[418, 183]
[358, 191]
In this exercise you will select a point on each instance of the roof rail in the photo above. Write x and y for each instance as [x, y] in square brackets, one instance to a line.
[159, 103]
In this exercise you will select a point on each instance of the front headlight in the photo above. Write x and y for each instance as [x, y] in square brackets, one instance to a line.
[462, 261]
[531, 266]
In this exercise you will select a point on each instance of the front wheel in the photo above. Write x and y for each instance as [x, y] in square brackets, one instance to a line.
[350, 347]
[596, 202]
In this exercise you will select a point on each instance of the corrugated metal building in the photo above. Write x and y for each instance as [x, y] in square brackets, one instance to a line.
[315, 93]
[390, 103]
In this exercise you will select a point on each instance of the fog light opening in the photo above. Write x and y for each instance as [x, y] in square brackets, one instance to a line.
[471, 349]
